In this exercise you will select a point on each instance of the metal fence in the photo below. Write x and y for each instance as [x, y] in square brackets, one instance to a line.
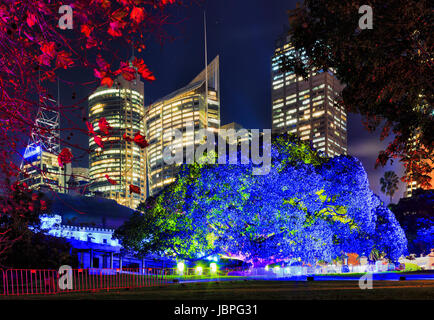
[2, 283]
[28, 282]
[106, 279]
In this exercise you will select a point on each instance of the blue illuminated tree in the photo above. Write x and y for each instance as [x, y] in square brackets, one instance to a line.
[307, 207]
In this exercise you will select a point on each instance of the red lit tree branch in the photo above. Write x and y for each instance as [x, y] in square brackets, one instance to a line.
[34, 50]
[387, 70]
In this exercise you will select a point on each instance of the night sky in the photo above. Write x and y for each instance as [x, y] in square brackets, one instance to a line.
[243, 33]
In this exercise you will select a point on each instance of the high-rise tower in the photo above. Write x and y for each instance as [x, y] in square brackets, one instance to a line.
[39, 166]
[120, 163]
[198, 104]
[307, 108]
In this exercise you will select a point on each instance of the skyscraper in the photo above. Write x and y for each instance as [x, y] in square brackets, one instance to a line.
[120, 163]
[307, 108]
[178, 110]
[40, 168]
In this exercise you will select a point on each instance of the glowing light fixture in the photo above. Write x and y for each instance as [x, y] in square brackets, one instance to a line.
[31, 152]
[213, 267]
[180, 267]
[199, 270]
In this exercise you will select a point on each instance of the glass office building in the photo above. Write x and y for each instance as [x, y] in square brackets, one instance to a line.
[41, 170]
[186, 107]
[124, 162]
[308, 108]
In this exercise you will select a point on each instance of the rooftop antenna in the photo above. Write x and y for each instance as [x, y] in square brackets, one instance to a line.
[206, 72]
[131, 63]
[58, 107]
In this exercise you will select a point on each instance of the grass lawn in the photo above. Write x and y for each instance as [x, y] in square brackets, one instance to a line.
[263, 290]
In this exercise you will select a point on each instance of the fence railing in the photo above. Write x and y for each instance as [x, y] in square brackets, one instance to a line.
[28, 281]
[106, 279]
[2, 283]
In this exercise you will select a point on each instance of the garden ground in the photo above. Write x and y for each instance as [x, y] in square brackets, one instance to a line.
[263, 290]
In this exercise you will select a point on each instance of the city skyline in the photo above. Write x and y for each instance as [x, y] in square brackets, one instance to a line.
[245, 40]
[177, 150]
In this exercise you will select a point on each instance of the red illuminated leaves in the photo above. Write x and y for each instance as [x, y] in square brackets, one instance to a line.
[111, 181]
[127, 72]
[104, 126]
[124, 2]
[102, 64]
[98, 141]
[31, 20]
[137, 15]
[142, 68]
[134, 189]
[103, 72]
[119, 14]
[140, 140]
[127, 138]
[43, 205]
[105, 4]
[107, 81]
[167, 2]
[34, 50]
[91, 42]
[49, 48]
[64, 60]
[48, 52]
[90, 128]
[49, 75]
[86, 30]
[64, 157]
[115, 28]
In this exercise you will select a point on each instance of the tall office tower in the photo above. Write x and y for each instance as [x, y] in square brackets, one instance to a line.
[185, 107]
[39, 167]
[123, 162]
[307, 108]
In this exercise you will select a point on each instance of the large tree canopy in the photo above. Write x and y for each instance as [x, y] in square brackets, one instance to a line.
[308, 207]
[387, 70]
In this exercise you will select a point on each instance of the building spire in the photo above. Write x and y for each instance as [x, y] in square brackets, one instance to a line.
[206, 71]
[132, 50]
